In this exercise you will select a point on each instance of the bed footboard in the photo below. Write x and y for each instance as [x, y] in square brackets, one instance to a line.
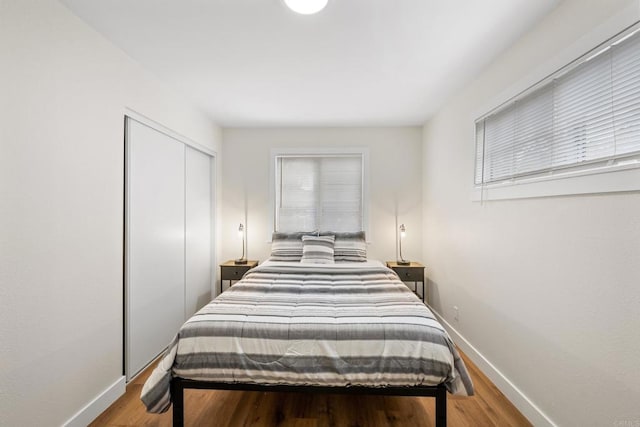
[178, 385]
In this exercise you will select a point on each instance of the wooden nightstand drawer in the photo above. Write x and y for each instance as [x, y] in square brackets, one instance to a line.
[231, 272]
[413, 272]
[234, 272]
[410, 274]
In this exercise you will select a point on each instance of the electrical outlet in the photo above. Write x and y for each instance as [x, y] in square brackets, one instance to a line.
[456, 313]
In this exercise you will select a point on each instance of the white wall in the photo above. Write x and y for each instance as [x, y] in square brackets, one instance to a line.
[64, 90]
[548, 289]
[395, 173]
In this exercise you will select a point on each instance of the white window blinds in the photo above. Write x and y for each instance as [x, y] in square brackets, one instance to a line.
[319, 193]
[585, 114]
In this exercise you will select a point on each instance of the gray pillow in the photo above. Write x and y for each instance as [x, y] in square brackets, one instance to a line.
[348, 246]
[286, 246]
[317, 249]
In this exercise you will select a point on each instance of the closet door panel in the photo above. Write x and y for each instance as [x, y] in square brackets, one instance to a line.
[155, 243]
[198, 230]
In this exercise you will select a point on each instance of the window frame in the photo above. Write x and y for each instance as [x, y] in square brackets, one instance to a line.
[620, 174]
[277, 153]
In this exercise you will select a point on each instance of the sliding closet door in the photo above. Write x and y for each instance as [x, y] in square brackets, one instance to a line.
[198, 252]
[155, 248]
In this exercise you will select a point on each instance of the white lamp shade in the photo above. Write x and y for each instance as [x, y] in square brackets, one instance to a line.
[306, 7]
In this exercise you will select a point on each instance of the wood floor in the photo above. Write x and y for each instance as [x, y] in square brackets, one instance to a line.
[488, 407]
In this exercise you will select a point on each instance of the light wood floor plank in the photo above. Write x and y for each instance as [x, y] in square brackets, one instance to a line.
[489, 407]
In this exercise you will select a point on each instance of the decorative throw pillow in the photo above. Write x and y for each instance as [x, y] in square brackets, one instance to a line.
[286, 246]
[317, 249]
[349, 247]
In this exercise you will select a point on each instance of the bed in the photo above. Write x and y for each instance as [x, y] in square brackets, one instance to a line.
[350, 327]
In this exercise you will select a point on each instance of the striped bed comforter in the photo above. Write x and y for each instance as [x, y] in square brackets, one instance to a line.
[343, 325]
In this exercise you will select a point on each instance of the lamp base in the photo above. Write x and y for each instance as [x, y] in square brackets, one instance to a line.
[240, 261]
[403, 262]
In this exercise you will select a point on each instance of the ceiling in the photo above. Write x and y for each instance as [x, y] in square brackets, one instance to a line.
[252, 63]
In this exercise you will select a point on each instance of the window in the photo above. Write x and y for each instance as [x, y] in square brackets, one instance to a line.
[584, 117]
[322, 191]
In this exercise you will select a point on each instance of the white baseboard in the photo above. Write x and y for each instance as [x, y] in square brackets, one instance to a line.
[513, 393]
[98, 405]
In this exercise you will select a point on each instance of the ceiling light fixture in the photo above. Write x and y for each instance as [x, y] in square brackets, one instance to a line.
[306, 7]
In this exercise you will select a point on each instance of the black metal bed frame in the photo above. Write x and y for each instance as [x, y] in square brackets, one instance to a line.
[178, 385]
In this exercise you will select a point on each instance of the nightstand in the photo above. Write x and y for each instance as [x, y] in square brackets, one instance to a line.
[233, 272]
[414, 272]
